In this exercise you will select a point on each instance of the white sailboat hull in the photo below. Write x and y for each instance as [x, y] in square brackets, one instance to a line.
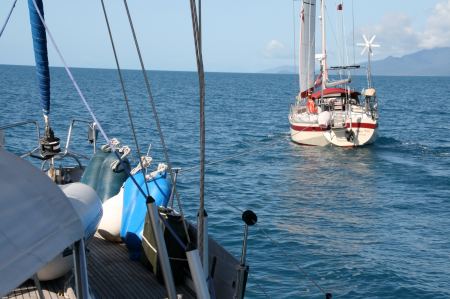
[308, 134]
[360, 130]
[362, 136]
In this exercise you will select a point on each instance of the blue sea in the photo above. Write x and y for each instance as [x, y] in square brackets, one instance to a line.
[370, 222]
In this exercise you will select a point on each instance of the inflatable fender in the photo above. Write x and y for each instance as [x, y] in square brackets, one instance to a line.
[89, 208]
[135, 208]
[109, 227]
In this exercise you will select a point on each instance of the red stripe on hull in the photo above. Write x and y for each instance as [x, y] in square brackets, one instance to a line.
[319, 129]
[307, 129]
[362, 125]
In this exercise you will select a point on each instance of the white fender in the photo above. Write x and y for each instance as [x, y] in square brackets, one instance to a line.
[324, 119]
[89, 208]
[109, 227]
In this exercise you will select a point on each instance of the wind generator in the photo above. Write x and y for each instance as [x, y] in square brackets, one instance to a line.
[368, 45]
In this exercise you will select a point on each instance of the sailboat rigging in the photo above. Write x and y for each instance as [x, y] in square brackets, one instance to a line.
[108, 178]
[326, 111]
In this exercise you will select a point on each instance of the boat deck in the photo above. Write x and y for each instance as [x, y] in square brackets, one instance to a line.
[111, 275]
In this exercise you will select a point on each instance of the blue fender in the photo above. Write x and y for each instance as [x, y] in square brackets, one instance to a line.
[135, 208]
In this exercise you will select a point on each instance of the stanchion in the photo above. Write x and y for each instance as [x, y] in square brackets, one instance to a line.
[249, 219]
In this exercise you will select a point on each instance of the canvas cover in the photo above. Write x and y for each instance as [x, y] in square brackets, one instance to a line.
[37, 221]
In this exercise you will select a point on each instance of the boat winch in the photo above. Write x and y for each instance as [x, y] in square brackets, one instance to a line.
[49, 144]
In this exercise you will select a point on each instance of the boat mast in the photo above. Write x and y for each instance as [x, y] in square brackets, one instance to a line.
[324, 46]
[369, 68]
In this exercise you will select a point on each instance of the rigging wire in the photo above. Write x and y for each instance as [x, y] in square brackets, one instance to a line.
[7, 18]
[122, 84]
[295, 42]
[344, 33]
[200, 24]
[155, 115]
[80, 93]
[353, 31]
[94, 118]
[312, 41]
[201, 78]
[331, 27]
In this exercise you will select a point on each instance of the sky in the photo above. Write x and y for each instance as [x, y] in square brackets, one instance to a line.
[238, 35]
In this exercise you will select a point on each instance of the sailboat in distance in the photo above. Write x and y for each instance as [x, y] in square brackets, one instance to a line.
[329, 111]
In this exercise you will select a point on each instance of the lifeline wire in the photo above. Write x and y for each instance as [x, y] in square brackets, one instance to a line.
[113, 147]
[7, 18]
[201, 79]
[122, 84]
[155, 114]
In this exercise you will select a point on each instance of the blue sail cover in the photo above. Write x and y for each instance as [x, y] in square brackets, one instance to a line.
[40, 54]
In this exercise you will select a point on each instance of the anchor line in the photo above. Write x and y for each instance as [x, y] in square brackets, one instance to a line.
[262, 289]
[260, 147]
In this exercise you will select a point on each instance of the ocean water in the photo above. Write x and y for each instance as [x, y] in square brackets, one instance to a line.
[370, 222]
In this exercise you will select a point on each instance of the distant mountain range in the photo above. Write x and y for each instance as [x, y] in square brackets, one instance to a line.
[433, 62]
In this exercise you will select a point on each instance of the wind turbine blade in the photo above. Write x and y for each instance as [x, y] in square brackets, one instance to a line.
[365, 39]
[372, 39]
[361, 45]
[363, 51]
[375, 46]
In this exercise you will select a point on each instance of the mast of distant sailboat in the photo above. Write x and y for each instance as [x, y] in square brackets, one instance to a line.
[323, 58]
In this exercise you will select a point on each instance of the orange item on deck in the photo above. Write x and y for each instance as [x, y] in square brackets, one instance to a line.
[311, 106]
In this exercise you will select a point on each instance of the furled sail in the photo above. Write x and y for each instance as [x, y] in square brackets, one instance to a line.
[40, 53]
[307, 45]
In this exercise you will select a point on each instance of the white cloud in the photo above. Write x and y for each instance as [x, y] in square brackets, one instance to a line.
[397, 35]
[276, 50]
[437, 31]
